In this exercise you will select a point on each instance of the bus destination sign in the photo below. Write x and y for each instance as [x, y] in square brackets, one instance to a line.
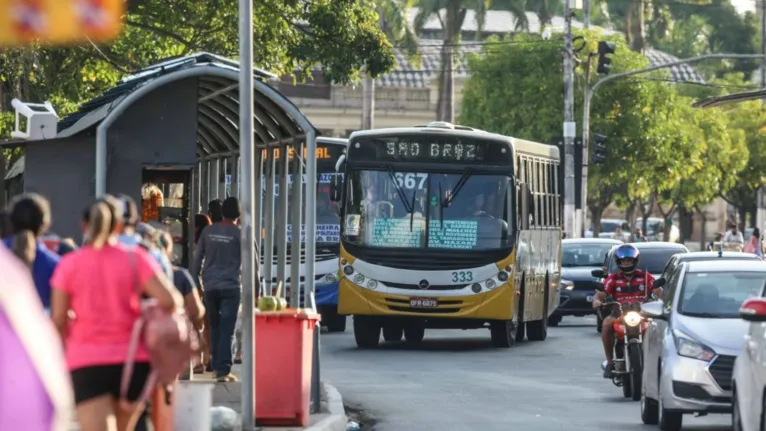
[434, 149]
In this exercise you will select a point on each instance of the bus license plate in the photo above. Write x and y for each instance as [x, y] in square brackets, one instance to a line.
[589, 298]
[423, 302]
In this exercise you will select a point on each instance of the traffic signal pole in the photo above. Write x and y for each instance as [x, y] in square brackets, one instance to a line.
[591, 90]
[569, 128]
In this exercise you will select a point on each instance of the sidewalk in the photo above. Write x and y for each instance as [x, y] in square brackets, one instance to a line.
[331, 418]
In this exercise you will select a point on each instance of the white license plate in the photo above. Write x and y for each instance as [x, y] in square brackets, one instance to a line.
[423, 302]
[589, 298]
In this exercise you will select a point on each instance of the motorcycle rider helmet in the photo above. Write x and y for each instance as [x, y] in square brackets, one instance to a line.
[626, 257]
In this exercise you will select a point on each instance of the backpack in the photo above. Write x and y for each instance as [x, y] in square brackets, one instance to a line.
[171, 341]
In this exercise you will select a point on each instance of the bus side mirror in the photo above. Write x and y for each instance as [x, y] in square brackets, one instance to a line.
[335, 188]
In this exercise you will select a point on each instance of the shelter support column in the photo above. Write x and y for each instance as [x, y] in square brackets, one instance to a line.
[268, 240]
[234, 186]
[214, 176]
[281, 231]
[257, 197]
[295, 220]
[223, 171]
[204, 190]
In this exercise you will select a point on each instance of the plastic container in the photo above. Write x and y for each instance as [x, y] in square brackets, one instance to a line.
[193, 400]
[284, 346]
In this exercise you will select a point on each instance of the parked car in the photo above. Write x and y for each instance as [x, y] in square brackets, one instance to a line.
[579, 258]
[694, 335]
[608, 227]
[655, 229]
[749, 377]
[654, 257]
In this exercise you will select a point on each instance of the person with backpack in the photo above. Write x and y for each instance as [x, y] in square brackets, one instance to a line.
[102, 284]
[30, 218]
[218, 261]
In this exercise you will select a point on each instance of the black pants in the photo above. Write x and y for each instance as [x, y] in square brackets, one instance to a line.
[222, 309]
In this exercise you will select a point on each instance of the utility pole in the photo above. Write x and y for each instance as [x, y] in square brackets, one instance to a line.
[368, 102]
[760, 212]
[569, 129]
[586, 15]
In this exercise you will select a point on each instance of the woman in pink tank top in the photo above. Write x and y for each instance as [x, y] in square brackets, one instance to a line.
[101, 286]
[35, 392]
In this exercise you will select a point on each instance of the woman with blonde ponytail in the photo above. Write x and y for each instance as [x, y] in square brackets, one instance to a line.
[102, 284]
[29, 218]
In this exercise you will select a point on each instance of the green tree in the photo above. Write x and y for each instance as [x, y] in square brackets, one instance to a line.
[515, 89]
[342, 38]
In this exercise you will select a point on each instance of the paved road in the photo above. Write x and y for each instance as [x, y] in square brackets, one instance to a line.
[456, 381]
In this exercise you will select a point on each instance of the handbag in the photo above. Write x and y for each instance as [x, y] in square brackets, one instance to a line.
[170, 340]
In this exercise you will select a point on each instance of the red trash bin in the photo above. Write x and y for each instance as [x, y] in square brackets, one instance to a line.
[283, 359]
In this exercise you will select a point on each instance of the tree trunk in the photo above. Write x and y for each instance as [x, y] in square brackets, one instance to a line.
[629, 24]
[646, 210]
[639, 42]
[595, 216]
[703, 230]
[630, 215]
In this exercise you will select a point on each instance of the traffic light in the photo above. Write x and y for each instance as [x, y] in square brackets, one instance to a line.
[599, 150]
[604, 62]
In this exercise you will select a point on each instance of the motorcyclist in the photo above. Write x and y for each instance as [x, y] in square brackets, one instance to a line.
[629, 284]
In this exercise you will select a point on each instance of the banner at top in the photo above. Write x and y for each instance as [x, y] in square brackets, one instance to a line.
[54, 22]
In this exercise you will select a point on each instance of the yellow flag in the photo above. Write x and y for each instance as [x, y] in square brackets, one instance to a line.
[57, 22]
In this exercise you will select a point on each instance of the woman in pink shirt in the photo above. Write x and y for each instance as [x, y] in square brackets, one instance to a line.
[101, 286]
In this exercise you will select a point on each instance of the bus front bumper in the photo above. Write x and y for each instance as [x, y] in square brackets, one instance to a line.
[498, 304]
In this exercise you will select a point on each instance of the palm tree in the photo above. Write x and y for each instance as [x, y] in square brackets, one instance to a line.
[451, 15]
[394, 21]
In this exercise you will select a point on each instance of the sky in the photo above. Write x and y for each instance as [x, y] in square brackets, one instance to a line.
[743, 6]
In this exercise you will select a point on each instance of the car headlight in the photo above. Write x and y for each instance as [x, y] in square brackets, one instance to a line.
[566, 285]
[330, 278]
[632, 318]
[687, 347]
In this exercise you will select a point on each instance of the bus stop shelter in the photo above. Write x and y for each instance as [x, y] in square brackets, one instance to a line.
[176, 122]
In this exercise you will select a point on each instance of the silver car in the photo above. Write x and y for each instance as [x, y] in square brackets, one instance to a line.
[694, 335]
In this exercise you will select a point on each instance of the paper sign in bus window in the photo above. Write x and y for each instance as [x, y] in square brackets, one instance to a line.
[396, 233]
[453, 234]
[325, 233]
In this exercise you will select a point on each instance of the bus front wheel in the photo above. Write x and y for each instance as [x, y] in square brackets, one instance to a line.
[503, 333]
[366, 332]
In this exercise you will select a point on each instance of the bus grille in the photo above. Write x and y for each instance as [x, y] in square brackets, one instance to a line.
[426, 260]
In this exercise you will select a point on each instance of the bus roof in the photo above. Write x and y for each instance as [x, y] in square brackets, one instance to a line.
[329, 140]
[520, 145]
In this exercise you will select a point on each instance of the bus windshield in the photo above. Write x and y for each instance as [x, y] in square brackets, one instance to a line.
[458, 211]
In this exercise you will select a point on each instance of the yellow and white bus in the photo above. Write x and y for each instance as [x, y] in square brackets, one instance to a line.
[445, 226]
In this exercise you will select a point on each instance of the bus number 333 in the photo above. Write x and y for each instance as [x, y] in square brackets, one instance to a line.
[462, 276]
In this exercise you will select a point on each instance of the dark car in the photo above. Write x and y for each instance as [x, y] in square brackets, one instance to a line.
[653, 259]
[580, 256]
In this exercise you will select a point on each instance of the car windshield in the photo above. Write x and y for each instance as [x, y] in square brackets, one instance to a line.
[389, 209]
[583, 254]
[652, 261]
[718, 294]
[609, 226]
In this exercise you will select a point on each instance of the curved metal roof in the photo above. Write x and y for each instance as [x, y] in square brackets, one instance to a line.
[218, 105]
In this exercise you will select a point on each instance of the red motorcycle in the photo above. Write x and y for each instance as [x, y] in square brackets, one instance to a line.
[629, 329]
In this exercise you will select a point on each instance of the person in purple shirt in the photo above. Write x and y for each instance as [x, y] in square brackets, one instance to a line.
[30, 217]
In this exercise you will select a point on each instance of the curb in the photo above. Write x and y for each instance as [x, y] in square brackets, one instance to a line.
[336, 420]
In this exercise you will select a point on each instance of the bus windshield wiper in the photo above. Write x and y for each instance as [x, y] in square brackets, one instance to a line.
[446, 202]
[399, 190]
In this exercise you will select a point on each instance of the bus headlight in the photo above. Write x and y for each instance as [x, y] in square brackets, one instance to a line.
[330, 278]
[348, 270]
[358, 279]
[490, 284]
[502, 276]
[372, 284]
[476, 287]
[632, 318]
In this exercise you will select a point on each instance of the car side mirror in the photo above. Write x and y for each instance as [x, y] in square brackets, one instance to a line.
[659, 282]
[753, 310]
[335, 188]
[653, 310]
[598, 273]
